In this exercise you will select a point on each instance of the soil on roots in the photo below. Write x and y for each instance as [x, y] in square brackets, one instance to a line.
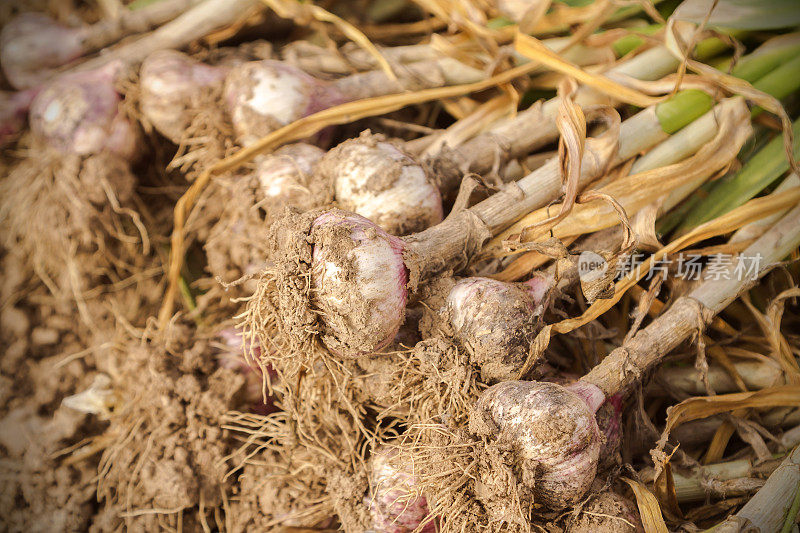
[48, 469]
[86, 233]
[165, 447]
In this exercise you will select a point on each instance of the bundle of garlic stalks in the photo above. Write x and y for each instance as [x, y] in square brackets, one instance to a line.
[397, 266]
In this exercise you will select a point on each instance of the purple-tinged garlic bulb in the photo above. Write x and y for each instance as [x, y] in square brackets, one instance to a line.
[33, 46]
[551, 431]
[262, 96]
[378, 180]
[609, 420]
[80, 114]
[496, 322]
[171, 81]
[359, 283]
[14, 112]
[284, 175]
[392, 503]
[608, 512]
[608, 416]
[232, 357]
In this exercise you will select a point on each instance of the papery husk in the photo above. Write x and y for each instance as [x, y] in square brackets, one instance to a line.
[533, 49]
[706, 406]
[675, 44]
[302, 13]
[649, 509]
[749, 212]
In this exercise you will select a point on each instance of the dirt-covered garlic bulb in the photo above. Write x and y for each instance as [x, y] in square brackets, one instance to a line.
[80, 114]
[33, 46]
[170, 83]
[359, 281]
[608, 512]
[551, 432]
[262, 96]
[393, 505]
[284, 176]
[608, 416]
[379, 180]
[496, 322]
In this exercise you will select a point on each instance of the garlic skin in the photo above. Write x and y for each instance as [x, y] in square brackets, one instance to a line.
[552, 433]
[284, 175]
[170, 82]
[608, 413]
[378, 180]
[359, 281]
[262, 96]
[391, 501]
[99, 399]
[609, 420]
[80, 114]
[33, 46]
[495, 322]
[14, 112]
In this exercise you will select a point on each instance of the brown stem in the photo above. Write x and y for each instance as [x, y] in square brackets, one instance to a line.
[414, 76]
[769, 509]
[535, 127]
[757, 375]
[627, 364]
[453, 242]
[110, 30]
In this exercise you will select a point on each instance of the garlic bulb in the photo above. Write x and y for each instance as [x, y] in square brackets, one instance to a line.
[284, 175]
[80, 114]
[33, 46]
[262, 96]
[359, 281]
[392, 504]
[608, 415]
[378, 180]
[495, 322]
[170, 82]
[552, 433]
